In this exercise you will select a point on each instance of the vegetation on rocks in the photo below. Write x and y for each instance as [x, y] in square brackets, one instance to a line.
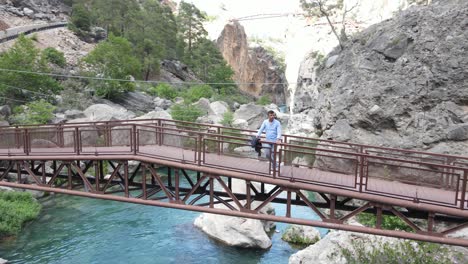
[148, 32]
[300, 240]
[406, 252]
[185, 112]
[19, 84]
[16, 208]
[34, 113]
[113, 59]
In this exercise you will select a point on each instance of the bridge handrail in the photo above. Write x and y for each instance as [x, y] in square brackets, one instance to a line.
[159, 121]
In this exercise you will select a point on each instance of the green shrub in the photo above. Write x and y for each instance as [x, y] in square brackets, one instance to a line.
[74, 95]
[37, 112]
[228, 118]
[405, 252]
[388, 222]
[16, 208]
[54, 56]
[264, 100]
[185, 112]
[80, 18]
[196, 92]
[164, 90]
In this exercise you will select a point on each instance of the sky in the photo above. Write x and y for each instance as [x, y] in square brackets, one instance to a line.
[263, 28]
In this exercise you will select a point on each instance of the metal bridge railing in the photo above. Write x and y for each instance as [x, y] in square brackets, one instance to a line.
[384, 171]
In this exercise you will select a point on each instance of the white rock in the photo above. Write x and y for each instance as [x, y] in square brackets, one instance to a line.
[103, 112]
[219, 108]
[155, 114]
[234, 231]
[237, 231]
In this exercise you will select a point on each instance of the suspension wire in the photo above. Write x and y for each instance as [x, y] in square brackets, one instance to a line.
[137, 81]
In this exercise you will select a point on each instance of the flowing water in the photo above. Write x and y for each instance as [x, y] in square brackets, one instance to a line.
[83, 230]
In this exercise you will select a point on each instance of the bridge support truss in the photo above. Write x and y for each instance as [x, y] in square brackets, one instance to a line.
[182, 186]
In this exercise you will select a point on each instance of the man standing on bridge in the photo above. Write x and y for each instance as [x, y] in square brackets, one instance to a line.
[272, 128]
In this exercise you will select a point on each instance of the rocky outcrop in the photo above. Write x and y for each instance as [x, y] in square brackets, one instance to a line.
[136, 102]
[330, 248]
[174, 71]
[251, 116]
[37, 9]
[298, 234]
[401, 83]
[255, 70]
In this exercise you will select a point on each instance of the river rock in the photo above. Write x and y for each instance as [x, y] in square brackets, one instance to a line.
[238, 231]
[234, 231]
[306, 234]
[3, 261]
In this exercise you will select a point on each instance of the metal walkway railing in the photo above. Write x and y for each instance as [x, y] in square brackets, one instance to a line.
[410, 175]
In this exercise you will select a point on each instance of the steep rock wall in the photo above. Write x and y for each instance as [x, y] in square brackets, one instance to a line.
[401, 83]
[256, 71]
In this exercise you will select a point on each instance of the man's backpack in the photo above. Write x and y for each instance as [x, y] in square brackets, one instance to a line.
[256, 144]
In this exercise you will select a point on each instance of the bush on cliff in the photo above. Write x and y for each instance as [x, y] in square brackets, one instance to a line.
[16, 208]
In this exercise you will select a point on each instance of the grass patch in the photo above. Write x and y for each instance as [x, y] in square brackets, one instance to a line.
[16, 208]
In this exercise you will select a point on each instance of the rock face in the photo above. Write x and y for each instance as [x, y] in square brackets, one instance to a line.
[401, 83]
[37, 9]
[255, 70]
[329, 249]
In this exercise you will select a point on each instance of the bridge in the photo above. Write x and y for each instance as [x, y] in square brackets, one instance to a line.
[199, 167]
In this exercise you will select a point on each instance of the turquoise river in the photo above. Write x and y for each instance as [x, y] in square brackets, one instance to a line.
[83, 230]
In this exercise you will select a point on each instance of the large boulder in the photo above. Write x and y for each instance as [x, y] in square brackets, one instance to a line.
[136, 102]
[236, 231]
[104, 112]
[252, 113]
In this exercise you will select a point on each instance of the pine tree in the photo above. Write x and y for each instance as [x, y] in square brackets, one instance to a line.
[190, 25]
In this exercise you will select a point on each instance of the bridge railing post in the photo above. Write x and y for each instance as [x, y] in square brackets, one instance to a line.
[273, 163]
[26, 142]
[134, 136]
[77, 141]
[17, 137]
[361, 168]
[200, 148]
[463, 200]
